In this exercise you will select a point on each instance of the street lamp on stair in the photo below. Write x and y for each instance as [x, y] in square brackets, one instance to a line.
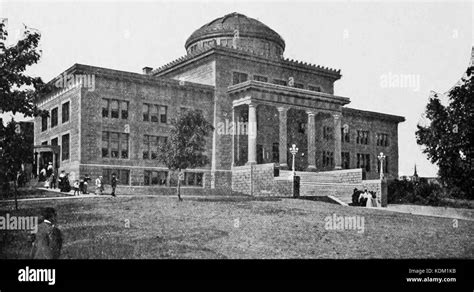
[293, 151]
[381, 158]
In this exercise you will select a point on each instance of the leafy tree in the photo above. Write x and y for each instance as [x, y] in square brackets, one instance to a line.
[448, 139]
[14, 151]
[18, 92]
[186, 143]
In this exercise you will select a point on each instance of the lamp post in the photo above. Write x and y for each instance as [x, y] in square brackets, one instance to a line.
[381, 158]
[293, 151]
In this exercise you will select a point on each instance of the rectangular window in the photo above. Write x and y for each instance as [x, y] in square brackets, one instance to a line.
[362, 137]
[346, 160]
[44, 124]
[363, 161]
[345, 135]
[122, 175]
[154, 146]
[146, 147]
[124, 109]
[44, 143]
[314, 88]
[276, 152]
[154, 113]
[159, 178]
[146, 177]
[238, 77]
[190, 176]
[114, 145]
[279, 82]
[260, 78]
[54, 142]
[114, 109]
[328, 159]
[328, 133]
[146, 112]
[124, 145]
[54, 117]
[382, 139]
[105, 108]
[163, 114]
[105, 144]
[154, 178]
[193, 179]
[151, 146]
[106, 175]
[65, 147]
[65, 112]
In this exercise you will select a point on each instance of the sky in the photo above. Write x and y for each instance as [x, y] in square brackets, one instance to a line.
[391, 54]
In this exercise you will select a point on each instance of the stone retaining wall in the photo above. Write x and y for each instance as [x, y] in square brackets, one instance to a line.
[259, 180]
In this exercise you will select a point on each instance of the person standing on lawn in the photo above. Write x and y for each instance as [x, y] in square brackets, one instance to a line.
[48, 241]
[113, 184]
[99, 187]
[86, 183]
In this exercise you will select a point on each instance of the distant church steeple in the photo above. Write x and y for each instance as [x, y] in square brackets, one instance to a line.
[415, 175]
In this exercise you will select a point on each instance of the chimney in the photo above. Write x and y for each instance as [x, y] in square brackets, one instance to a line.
[147, 70]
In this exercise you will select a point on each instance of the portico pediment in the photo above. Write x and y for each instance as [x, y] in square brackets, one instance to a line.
[278, 95]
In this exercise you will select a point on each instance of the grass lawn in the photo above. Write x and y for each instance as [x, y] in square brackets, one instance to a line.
[218, 228]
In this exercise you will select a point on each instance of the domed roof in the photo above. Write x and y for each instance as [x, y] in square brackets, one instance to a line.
[226, 26]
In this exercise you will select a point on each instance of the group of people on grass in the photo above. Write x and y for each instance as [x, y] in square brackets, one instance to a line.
[78, 186]
[365, 198]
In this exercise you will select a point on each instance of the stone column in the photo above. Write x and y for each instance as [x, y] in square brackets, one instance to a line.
[234, 132]
[252, 134]
[311, 141]
[54, 161]
[283, 137]
[337, 141]
[37, 163]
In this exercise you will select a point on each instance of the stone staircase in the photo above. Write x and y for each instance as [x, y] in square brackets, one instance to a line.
[339, 184]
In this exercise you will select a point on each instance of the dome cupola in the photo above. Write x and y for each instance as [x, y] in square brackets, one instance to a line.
[238, 31]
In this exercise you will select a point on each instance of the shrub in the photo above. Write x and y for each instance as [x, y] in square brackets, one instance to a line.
[410, 192]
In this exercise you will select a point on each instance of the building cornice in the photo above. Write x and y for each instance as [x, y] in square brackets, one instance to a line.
[346, 111]
[78, 69]
[247, 55]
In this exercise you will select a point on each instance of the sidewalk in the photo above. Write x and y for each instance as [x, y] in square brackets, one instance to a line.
[444, 212]
[69, 195]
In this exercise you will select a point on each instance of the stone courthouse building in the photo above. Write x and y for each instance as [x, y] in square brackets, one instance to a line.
[260, 103]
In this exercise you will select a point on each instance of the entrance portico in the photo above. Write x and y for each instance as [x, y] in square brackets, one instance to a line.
[45, 154]
[265, 108]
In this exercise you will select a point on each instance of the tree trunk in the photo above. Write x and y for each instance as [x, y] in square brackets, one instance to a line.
[178, 188]
[16, 195]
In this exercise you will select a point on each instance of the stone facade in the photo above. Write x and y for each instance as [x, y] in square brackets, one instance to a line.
[87, 124]
[288, 102]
